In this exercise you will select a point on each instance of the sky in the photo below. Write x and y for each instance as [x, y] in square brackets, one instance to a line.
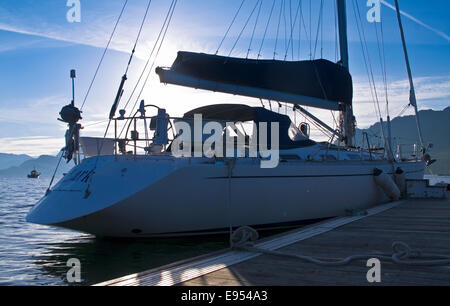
[39, 46]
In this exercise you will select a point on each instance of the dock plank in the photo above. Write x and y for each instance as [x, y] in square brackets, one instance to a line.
[423, 224]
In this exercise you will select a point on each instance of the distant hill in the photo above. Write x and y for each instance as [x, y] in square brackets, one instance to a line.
[12, 160]
[436, 131]
[45, 164]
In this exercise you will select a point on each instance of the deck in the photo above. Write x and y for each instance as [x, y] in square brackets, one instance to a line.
[423, 224]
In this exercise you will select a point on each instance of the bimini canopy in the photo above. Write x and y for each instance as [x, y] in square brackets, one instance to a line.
[224, 112]
[318, 83]
[243, 113]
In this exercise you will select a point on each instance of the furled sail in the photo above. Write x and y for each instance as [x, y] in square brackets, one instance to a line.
[316, 83]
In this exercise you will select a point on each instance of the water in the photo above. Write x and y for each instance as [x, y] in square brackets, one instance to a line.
[37, 255]
[435, 179]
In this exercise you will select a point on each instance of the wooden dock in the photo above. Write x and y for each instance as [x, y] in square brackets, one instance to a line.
[423, 224]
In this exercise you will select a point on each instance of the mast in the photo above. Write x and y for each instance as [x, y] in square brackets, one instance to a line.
[347, 117]
[412, 93]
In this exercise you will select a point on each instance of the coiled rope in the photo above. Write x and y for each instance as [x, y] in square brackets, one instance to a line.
[245, 237]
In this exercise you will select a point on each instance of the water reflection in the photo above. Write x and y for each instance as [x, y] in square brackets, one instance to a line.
[105, 259]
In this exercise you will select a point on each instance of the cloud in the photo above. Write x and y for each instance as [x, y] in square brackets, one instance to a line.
[99, 40]
[414, 19]
[9, 45]
[431, 92]
[33, 146]
[427, 88]
[94, 30]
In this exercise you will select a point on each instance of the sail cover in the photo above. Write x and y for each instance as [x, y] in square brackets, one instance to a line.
[319, 79]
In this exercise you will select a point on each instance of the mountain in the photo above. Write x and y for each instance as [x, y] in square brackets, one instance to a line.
[436, 131]
[45, 164]
[12, 160]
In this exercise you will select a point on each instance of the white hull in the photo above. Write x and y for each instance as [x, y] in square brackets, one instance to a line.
[155, 196]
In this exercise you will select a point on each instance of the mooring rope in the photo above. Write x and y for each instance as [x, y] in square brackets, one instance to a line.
[245, 237]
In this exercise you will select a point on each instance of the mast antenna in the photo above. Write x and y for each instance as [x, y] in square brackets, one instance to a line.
[73, 75]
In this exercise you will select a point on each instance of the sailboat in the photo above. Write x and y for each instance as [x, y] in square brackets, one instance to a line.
[118, 192]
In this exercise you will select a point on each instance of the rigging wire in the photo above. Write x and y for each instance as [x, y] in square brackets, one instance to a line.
[370, 70]
[336, 44]
[383, 67]
[139, 35]
[91, 84]
[243, 29]
[318, 28]
[150, 56]
[310, 29]
[54, 173]
[87, 192]
[278, 30]
[103, 55]
[164, 29]
[304, 25]
[385, 70]
[404, 110]
[300, 30]
[124, 77]
[321, 32]
[291, 37]
[316, 125]
[229, 28]
[366, 60]
[285, 27]
[254, 28]
[96, 123]
[292, 26]
[267, 27]
[157, 53]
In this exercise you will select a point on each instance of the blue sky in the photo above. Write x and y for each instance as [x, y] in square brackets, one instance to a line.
[38, 47]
